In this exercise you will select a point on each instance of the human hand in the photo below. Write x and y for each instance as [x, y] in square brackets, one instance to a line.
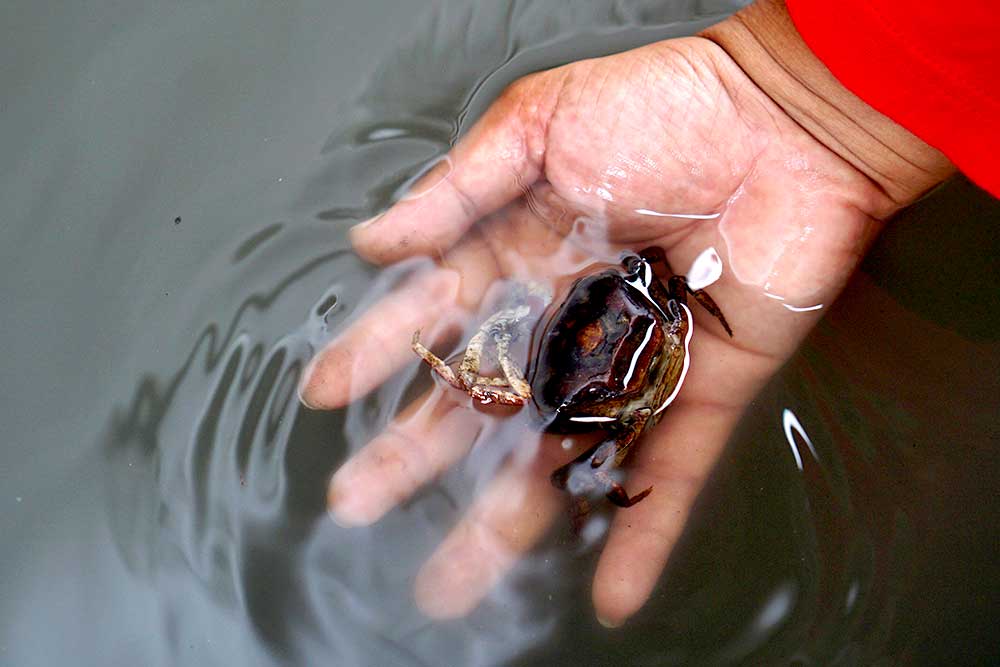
[668, 145]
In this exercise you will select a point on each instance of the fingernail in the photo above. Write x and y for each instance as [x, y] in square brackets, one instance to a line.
[610, 625]
[346, 503]
[339, 510]
[307, 373]
[432, 176]
[345, 520]
[365, 223]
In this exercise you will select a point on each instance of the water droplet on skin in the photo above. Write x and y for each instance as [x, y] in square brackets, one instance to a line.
[803, 309]
[705, 270]
[692, 216]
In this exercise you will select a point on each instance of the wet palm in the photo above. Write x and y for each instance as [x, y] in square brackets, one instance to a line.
[668, 145]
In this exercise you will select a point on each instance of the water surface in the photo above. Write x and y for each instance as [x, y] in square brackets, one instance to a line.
[177, 183]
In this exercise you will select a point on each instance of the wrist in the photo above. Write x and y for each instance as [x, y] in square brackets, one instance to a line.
[763, 41]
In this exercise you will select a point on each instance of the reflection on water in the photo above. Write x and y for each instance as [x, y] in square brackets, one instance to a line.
[837, 502]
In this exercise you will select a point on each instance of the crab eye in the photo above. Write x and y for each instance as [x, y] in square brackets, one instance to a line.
[633, 265]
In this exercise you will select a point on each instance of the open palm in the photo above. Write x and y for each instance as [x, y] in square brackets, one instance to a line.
[668, 145]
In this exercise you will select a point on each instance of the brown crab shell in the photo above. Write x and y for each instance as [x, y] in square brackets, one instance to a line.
[607, 349]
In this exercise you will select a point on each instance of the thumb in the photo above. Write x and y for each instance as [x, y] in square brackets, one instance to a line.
[500, 157]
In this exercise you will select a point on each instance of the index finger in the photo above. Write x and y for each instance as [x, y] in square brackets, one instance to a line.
[495, 162]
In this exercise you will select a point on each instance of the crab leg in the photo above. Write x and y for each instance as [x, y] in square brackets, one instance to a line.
[486, 389]
[655, 255]
[439, 367]
[468, 370]
[488, 394]
[589, 472]
[678, 287]
[513, 374]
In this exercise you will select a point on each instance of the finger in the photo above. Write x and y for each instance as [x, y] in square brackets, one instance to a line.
[372, 348]
[675, 459]
[379, 342]
[505, 522]
[500, 156]
[427, 438]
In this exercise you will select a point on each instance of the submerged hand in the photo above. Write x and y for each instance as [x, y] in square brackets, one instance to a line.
[668, 145]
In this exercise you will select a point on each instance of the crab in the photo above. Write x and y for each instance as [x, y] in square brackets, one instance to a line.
[611, 356]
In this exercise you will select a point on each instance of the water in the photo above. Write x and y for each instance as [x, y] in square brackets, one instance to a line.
[177, 185]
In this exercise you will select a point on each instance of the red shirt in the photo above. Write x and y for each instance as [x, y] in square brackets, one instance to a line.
[931, 66]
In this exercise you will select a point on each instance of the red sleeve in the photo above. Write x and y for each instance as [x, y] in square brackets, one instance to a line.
[931, 66]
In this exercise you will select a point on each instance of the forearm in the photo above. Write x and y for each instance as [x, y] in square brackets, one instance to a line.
[764, 42]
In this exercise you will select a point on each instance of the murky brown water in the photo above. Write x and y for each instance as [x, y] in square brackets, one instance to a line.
[177, 182]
